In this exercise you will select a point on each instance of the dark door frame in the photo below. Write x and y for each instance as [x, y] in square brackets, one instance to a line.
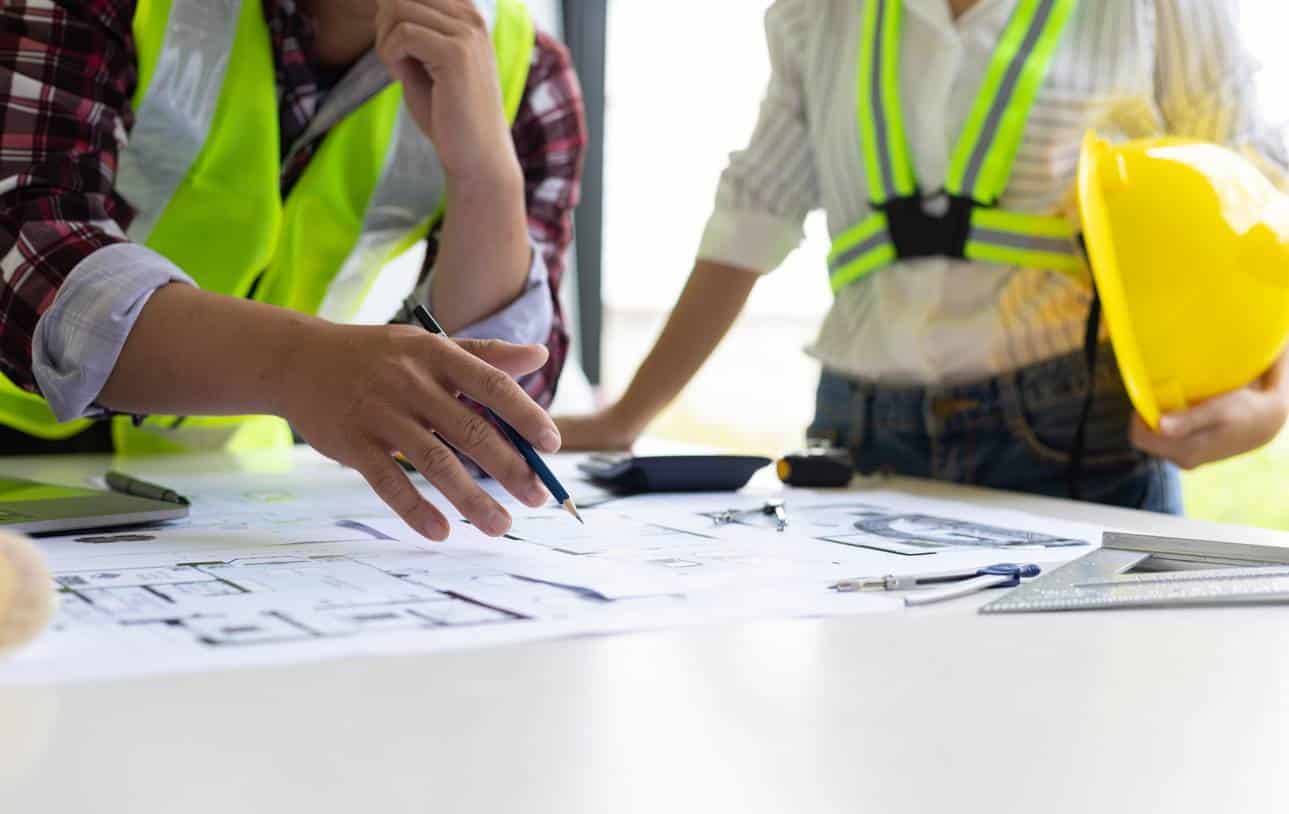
[585, 33]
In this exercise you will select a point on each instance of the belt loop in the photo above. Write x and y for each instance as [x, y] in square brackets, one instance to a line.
[932, 422]
[1010, 398]
[860, 414]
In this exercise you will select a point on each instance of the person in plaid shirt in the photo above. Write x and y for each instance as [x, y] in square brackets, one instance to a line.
[98, 325]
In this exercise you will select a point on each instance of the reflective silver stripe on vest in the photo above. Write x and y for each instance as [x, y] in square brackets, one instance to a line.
[175, 116]
[409, 191]
[365, 79]
[1003, 99]
[865, 246]
[886, 170]
[1017, 240]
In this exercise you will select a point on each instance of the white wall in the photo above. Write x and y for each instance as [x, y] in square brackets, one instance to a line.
[685, 81]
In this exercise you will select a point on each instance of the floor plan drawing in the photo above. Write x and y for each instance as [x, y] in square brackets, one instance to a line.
[276, 568]
[264, 599]
[888, 528]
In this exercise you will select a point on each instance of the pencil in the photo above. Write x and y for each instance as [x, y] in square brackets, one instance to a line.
[535, 462]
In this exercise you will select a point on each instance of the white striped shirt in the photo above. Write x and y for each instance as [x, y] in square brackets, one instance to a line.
[1128, 68]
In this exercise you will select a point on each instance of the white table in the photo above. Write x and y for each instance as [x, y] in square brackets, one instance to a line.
[931, 710]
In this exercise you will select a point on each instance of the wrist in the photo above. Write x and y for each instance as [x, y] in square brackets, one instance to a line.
[1281, 398]
[295, 340]
[629, 416]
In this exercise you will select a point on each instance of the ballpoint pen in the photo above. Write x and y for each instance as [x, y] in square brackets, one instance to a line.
[956, 583]
[126, 485]
[557, 490]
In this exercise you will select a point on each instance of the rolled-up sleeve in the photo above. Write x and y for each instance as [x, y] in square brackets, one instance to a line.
[526, 320]
[770, 186]
[80, 336]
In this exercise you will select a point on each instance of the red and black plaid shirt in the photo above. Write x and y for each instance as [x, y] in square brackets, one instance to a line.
[67, 74]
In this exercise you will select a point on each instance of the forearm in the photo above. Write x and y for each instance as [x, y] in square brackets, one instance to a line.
[484, 257]
[712, 299]
[192, 352]
[355, 393]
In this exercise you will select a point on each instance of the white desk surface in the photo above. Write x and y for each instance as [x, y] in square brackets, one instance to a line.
[930, 710]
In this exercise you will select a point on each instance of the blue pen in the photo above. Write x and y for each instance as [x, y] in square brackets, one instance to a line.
[534, 460]
[955, 583]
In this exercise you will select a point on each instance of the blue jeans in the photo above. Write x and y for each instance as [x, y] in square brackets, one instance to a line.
[1012, 432]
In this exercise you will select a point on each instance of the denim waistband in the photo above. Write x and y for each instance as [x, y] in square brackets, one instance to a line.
[972, 404]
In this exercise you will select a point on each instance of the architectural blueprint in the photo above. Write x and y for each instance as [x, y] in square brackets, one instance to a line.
[281, 567]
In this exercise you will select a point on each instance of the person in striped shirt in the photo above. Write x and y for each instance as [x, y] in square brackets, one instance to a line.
[939, 366]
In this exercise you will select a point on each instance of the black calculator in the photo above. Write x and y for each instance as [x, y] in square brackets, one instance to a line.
[626, 474]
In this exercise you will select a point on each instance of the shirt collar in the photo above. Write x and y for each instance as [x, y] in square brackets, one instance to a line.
[936, 13]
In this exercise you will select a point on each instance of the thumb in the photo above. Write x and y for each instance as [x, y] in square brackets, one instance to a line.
[1200, 417]
[516, 360]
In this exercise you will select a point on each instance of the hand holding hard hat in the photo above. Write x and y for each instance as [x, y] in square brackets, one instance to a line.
[1189, 247]
[1224, 426]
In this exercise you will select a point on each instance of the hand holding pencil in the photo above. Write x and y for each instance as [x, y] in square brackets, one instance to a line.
[358, 394]
[557, 490]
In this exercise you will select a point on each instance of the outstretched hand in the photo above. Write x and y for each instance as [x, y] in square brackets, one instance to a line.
[360, 394]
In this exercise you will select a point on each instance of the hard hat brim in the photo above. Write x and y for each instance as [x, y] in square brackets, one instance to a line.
[1098, 236]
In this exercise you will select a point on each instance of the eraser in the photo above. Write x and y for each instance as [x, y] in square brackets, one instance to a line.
[27, 595]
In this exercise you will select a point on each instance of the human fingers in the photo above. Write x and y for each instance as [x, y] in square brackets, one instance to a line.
[441, 467]
[491, 387]
[434, 401]
[438, 44]
[1185, 451]
[387, 479]
[475, 436]
[443, 18]
[411, 41]
[517, 360]
[1205, 415]
[1239, 433]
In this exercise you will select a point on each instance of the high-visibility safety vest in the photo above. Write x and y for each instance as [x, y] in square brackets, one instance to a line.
[202, 171]
[963, 221]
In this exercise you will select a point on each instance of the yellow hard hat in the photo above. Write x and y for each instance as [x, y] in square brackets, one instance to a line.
[1189, 246]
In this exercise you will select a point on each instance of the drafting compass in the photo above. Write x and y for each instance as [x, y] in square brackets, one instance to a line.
[772, 508]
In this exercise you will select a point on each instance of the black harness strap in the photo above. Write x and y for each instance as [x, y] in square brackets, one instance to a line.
[1091, 344]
